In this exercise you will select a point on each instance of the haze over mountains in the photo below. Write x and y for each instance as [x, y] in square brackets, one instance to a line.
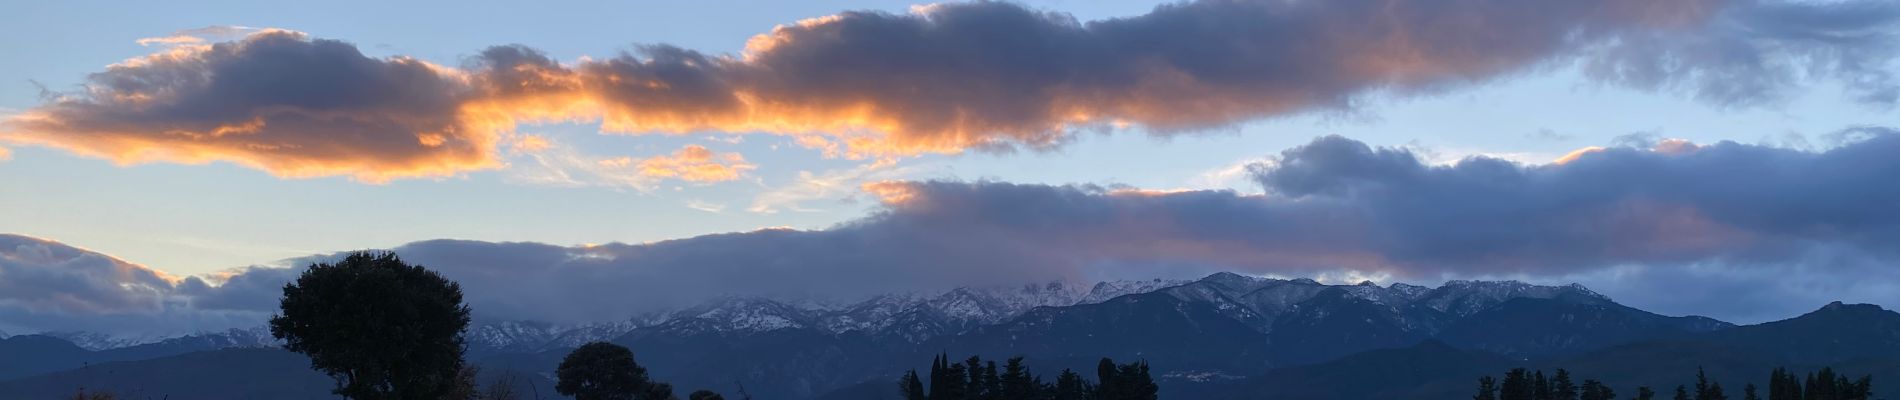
[1222, 336]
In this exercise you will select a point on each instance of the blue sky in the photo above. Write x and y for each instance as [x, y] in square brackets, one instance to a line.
[195, 219]
[192, 219]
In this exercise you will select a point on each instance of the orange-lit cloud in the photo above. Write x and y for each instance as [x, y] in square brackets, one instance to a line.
[943, 78]
[276, 101]
[694, 163]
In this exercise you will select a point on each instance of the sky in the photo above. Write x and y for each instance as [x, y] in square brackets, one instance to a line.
[165, 162]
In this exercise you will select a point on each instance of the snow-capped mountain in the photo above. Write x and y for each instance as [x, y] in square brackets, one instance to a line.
[915, 317]
[99, 341]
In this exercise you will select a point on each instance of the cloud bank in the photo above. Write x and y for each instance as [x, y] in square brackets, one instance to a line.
[942, 78]
[1760, 227]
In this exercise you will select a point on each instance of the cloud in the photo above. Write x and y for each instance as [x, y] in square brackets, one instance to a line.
[836, 185]
[200, 35]
[46, 285]
[564, 166]
[5, 154]
[1671, 218]
[276, 101]
[945, 78]
[694, 163]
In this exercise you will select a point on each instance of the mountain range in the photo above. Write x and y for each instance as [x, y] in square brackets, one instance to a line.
[1222, 336]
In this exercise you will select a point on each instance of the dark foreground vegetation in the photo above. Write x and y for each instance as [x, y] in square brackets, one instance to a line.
[975, 379]
[373, 327]
[1519, 384]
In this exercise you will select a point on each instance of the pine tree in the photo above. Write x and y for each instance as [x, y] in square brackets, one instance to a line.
[1561, 387]
[911, 387]
[1682, 393]
[1783, 386]
[1748, 392]
[1644, 393]
[1517, 386]
[1069, 386]
[1814, 390]
[1541, 387]
[1487, 389]
[1701, 384]
[1017, 383]
[1593, 390]
[992, 384]
[1715, 392]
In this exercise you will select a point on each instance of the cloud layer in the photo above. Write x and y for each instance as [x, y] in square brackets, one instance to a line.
[1787, 225]
[943, 78]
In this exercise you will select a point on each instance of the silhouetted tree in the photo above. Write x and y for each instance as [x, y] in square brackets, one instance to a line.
[1682, 392]
[381, 328]
[1644, 393]
[1561, 388]
[704, 394]
[1540, 387]
[1748, 392]
[1517, 385]
[1593, 390]
[1071, 386]
[1129, 381]
[1017, 383]
[606, 371]
[911, 388]
[82, 395]
[1487, 389]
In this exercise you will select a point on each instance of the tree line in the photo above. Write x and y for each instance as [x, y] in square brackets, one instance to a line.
[1520, 384]
[384, 329]
[976, 379]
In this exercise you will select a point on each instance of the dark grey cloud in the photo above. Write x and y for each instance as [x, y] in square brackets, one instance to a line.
[1790, 226]
[47, 285]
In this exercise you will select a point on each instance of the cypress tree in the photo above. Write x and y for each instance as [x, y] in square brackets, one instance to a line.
[1814, 391]
[911, 387]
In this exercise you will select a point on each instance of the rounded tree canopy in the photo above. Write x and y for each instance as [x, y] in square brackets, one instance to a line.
[605, 371]
[381, 327]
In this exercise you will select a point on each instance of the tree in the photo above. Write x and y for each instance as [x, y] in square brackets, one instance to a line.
[1644, 393]
[1593, 390]
[606, 371]
[1517, 385]
[1018, 383]
[704, 394]
[502, 387]
[1561, 388]
[1748, 392]
[381, 328]
[910, 387]
[1540, 387]
[1070, 386]
[1487, 389]
[1705, 390]
[1682, 393]
[1129, 381]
